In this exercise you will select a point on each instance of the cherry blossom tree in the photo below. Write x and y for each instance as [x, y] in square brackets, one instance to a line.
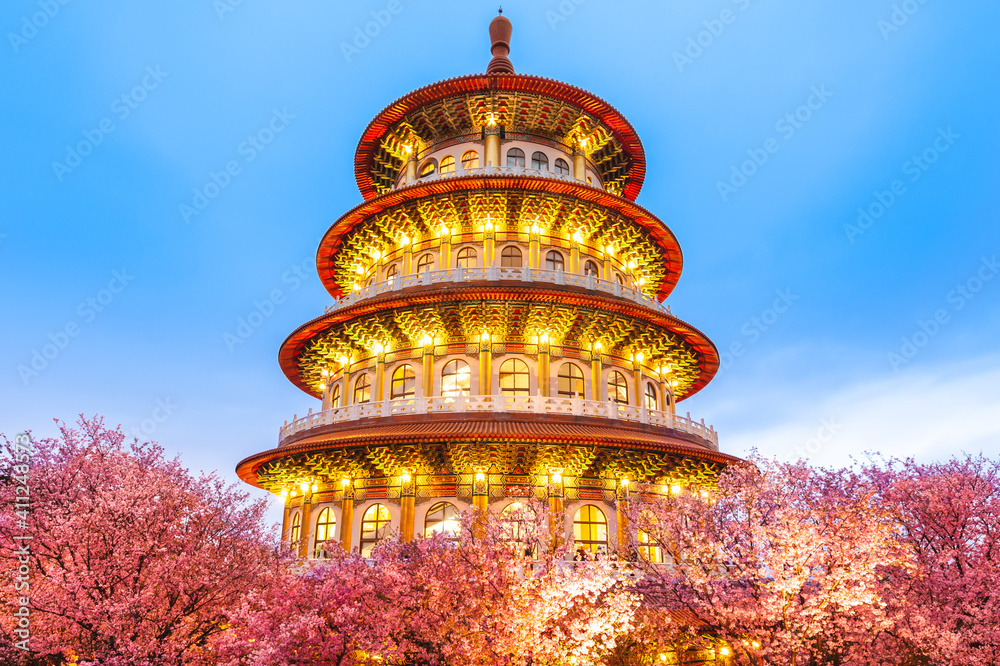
[779, 564]
[947, 610]
[490, 594]
[132, 560]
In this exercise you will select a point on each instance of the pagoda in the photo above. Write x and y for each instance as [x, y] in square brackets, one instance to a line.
[498, 328]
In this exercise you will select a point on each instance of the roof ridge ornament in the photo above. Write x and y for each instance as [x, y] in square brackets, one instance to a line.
[500, 32]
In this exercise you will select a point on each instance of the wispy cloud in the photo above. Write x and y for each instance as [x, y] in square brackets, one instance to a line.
[930, 413]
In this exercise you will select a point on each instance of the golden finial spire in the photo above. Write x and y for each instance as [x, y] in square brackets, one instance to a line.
[500, 31]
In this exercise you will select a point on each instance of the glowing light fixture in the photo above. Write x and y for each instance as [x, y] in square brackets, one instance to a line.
[724, 651]
[577, 237]
[345, 482]
[405, 477]
[675, 489]
[480, 476]
[315, 487]
[304, 486]
[556, 477]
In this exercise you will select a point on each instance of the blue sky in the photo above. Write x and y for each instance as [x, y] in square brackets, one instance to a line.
[887, 81]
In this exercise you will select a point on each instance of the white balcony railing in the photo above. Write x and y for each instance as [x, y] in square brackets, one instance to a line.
[496, 171]
[499, 404]
[493, 274]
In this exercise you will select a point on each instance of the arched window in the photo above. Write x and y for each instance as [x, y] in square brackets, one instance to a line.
[554, 261]
[511, 256]
[425, 263]
[590, 530]
[539, 161]
[447, 164]
[470, 159]
[404, 383]
[590, 268]
[296, 527]
[335, 395]
[570, 384]
[428, 168]
[562, 167]
[442, 517]
[619, 279]
[515, 157]
[516, 520]
[362, 390]
[326, 525]
[392, 271]
[649, 550]
[652, 399]
[617, 388]
[456, 379]
[374, 527]
[466, 258]
[514, 378]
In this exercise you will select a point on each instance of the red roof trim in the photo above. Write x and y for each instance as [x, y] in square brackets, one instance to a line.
[292, 347]
[568, 430]
[377, 129]
[656, 228]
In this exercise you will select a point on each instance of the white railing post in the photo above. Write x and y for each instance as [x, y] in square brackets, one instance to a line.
[525, 273]
[560, 276]
[491, 273]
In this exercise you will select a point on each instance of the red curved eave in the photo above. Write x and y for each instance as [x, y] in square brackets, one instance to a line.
[657, 230]
[553, 430]
[383, 123]
[294, 344]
